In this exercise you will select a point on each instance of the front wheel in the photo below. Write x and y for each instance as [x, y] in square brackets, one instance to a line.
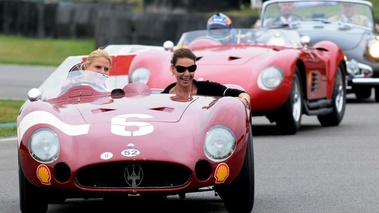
[362, 92]
[31, 200]
[377, 94]
[339, 102]
[238, 197]
[288, 119]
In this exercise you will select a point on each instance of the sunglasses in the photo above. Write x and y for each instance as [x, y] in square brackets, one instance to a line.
[182, 69]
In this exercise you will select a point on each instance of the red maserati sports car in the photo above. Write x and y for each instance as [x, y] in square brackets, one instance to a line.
[80, 136]
[285, 76]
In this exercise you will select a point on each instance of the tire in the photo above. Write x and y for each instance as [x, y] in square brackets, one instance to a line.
[339, 102]
[238, 197]
[31, 199]
[288, 119]
[362, 92]
[376, 94]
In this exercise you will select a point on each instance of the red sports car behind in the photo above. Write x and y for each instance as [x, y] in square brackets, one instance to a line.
[283, 74]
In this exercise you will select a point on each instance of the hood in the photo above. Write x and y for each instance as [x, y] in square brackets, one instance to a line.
[149, 108]
[345, 36]
[228, 55]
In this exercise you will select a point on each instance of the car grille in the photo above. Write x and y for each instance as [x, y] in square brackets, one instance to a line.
[133, 175]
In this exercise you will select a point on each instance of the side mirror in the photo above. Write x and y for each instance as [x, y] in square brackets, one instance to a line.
[305, 40]
[168, 45]
[34, 94]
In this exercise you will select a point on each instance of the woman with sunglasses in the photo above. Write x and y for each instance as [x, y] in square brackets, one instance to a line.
[183, 67]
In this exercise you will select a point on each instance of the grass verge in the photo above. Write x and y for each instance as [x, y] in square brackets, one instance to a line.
[35, 51]
[9, 110]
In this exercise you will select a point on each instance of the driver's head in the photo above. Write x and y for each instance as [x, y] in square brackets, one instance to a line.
[348, 9]
[219, 27]
[99, 61]
[286, 8]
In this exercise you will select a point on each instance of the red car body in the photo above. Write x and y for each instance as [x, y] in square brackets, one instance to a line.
[243, 63]
[83, 139]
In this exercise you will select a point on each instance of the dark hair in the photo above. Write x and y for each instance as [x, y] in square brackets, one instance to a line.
[182, 53]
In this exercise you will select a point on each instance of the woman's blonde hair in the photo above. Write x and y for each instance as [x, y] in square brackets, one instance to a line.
[98, 53]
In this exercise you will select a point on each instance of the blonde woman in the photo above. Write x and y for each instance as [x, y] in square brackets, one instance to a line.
[98, 61]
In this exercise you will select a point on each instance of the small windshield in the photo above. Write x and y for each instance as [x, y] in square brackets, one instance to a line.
[241, 36]
[97, 81]
[280, 13]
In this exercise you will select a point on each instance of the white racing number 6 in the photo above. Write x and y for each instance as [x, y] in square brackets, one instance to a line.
[120, 124]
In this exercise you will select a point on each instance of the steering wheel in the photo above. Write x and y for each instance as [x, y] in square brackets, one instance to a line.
[296, 17]
[277, 22]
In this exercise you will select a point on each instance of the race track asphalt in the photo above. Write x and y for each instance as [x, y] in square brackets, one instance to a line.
[17, 80]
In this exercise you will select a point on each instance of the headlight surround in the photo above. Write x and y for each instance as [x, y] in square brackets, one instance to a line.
[352, 67]
[220, 143]
[140, 74]
[358, 70]
[373, 49]
[270, 78]
[44, 145]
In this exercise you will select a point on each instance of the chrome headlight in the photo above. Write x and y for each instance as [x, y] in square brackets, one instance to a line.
[44, 145]
[373, 49]
[352, 67]
[220, 143]
[141, 74]
[270, 78]
[356, 69]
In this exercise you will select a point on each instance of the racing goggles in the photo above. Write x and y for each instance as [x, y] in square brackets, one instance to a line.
[181, 69]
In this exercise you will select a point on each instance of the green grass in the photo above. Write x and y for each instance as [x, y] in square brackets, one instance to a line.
[8, 132]
[9, 110]
[34, 51]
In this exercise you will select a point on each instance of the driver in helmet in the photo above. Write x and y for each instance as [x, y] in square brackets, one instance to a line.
[219, 27]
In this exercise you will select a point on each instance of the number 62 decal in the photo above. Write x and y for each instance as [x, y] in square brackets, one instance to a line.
[121, 126]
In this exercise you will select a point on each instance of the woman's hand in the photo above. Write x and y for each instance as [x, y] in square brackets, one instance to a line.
[245, 98]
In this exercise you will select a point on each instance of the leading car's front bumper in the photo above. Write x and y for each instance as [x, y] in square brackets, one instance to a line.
[360, 74]
[366, 81]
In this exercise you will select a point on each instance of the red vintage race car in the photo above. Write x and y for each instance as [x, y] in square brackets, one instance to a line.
[79, 136]
[283, 74]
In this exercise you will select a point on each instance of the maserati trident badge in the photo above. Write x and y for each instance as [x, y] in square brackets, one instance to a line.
[133, 175]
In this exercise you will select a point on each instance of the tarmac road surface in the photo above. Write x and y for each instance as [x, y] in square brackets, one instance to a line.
[17, 80]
